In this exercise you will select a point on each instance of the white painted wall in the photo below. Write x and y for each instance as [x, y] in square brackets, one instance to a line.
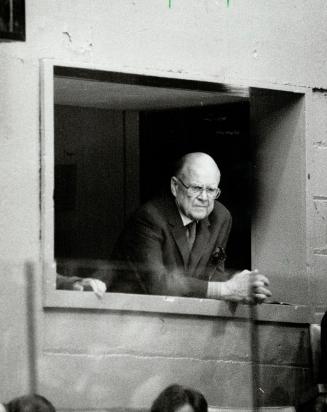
[279, 43]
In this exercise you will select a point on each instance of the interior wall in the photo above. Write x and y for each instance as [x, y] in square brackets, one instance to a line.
[279, 206]
[91, 141]
[96, 182]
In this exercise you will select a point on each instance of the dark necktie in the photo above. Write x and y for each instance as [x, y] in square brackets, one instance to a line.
[190, 234]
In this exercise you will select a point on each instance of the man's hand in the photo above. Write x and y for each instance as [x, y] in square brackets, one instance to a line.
[244, 287]
[98, 287]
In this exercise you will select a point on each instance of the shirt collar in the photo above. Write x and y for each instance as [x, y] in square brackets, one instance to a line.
[186, 220]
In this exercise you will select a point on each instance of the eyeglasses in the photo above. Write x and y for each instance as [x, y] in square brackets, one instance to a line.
[195, 190]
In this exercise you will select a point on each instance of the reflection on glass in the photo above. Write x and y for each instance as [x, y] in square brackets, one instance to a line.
[94, 202]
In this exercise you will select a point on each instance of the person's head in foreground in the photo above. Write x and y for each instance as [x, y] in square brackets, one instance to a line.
[195, 185]
[29, 403]
[176, 398]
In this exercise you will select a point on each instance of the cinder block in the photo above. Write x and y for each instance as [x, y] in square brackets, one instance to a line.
[319, 172]
[82, 382]
[283, 386]
[319, 281]
[319, 122]
[173, 335]
[320, 227]
[147, 335]
[283, 345]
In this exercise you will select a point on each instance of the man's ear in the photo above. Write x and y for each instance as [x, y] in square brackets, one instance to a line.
[173, 186]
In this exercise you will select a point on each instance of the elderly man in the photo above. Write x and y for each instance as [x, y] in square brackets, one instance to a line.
[174, 245]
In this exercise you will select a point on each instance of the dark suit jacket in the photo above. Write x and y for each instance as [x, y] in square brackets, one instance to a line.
[152, 255]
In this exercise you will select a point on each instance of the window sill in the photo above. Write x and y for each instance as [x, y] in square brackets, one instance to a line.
[177, 305]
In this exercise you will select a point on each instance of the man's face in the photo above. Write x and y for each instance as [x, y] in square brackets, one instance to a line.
[196, 207]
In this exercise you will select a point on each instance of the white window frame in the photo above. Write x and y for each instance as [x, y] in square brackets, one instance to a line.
[117, 301]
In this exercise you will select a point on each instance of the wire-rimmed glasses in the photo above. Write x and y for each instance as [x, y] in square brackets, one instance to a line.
[196, 190]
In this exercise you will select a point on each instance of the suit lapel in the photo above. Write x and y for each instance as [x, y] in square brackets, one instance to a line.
[201, 241]
[192, 258]
[178, 233]
[178, 230]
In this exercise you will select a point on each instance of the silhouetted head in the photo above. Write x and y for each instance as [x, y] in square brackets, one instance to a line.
[176, 398]
[195, 185]
[29, 403]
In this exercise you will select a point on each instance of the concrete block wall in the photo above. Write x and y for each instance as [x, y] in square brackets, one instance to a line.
[318, 140]
[122, 360]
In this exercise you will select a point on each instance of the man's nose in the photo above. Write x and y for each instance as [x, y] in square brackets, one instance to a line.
[203, 195]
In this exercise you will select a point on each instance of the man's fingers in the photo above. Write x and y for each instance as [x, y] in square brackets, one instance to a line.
[248, 300]
[258, 277]
[92, 284]
[98, 287]
[258, 284]
[255, 276]
[78, 286]
[262, 291]
[259, 298]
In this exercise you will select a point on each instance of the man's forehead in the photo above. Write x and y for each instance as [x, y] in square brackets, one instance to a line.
[200, 162]
[202, 174]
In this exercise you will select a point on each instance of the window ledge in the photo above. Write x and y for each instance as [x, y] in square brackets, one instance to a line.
[178, 305]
